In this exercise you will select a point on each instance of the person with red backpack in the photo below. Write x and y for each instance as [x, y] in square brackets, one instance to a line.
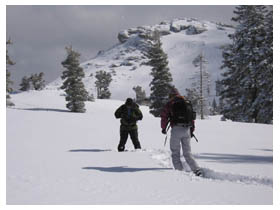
[179, 113]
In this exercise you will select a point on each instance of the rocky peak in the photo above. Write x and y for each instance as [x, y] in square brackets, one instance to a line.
[191, 26]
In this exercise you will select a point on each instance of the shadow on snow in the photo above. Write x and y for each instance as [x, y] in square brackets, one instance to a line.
[234, 158]
[265, 150]
[237, 178]
[90, 150]
[118, 169]
[45, 109]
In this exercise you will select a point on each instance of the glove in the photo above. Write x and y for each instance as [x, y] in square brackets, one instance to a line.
[163, 131]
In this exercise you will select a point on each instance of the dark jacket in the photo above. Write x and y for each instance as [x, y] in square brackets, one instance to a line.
[129, 116]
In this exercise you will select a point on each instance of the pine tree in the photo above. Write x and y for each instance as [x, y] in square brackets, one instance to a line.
[214, 108]
[253, 53]
[230, 93]
[25, 84]
[37, 81]
[73, 85]
[201, 82]
[9, 82]
[162, 78]
[91, 97]
[218, 87]
[140, 94]
[221, 105]
[245, 61]
[193, 96]
[103, 80]
[264, 100]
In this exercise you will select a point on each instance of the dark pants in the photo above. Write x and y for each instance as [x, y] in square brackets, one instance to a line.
[134, 137]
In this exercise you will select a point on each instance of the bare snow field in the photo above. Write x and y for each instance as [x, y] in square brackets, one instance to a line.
[58, 157]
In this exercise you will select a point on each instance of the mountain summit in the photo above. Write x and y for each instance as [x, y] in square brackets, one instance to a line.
[183, 40]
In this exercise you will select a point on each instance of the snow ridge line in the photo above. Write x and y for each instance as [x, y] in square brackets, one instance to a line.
[164, 159]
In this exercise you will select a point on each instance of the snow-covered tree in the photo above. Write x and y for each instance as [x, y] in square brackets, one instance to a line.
[91, 97]
[73, 85]
[248, 67]
[9, 82]
[264, 100]
[214, 110]
[103, 80]
[162, 78]
[193, 95]
[201, 82]
[230, 93]
[35, 81]
[221, 105]
[140, 94]
[218, 87]
[25, 84]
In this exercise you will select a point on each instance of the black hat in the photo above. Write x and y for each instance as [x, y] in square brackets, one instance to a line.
[129, 101]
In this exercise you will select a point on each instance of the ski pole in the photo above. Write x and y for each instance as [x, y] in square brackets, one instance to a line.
[195, 137]
[165, 140]
[166, 134]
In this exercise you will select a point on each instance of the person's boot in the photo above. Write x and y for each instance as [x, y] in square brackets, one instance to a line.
[199, 172]
[138, 147]
[120, 148]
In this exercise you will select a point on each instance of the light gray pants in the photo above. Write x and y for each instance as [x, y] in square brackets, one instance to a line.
[181, 136]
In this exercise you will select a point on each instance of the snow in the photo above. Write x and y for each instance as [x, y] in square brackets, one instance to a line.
[180, 47]
[58, 157]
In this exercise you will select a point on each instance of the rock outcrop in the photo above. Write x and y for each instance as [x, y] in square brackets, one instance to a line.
[190, 26]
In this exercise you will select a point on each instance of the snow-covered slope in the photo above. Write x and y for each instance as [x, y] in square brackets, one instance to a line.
[183, 40]
[58, 157]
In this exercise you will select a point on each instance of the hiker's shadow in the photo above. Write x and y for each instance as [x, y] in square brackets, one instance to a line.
[45, 109]
[90, 150]
[120, 169]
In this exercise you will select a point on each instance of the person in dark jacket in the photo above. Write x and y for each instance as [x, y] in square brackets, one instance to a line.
[129, 113]
[180, 135]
